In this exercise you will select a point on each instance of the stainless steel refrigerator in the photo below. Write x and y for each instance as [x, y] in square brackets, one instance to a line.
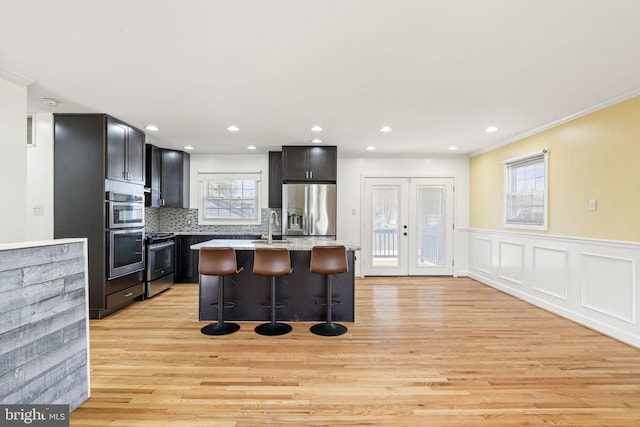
[309, 210]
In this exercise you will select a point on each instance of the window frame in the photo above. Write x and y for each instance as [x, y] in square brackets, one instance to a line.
[512, 165]
[205, 178]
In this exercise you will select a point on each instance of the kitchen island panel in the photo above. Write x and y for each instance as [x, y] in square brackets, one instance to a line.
[303, 292]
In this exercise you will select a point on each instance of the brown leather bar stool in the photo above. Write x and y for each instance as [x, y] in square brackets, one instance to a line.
[219, 262]
[272, 262]
[329, 260]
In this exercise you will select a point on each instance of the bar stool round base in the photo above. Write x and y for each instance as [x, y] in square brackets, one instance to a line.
[220, 328]
[273, 329]
[328, 329]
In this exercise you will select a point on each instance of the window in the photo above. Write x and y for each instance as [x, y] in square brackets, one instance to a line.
[526, 191]
[229, 198]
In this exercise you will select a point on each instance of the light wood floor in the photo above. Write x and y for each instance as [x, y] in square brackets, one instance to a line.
[422, 352]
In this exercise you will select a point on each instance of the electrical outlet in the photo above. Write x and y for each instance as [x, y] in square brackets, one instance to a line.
[38, 209]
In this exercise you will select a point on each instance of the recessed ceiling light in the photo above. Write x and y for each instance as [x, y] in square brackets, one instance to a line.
[491, 129]
[316, 128]
[233, 128]
[50, 102]
[188, 147]
[453, 148]
[152, 128]
[316, 141]
[371, 148]
[251, 147]
[385, 129]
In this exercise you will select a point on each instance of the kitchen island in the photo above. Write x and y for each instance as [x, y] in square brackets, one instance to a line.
[303, 293]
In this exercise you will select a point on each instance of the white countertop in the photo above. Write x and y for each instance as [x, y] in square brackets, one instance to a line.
[293, 244]
[36, 244]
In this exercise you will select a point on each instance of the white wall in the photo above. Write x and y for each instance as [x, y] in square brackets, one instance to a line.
[352, 171]
[40, 180]
[13, 162]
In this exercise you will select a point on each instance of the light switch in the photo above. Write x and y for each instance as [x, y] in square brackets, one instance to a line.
[592, 204]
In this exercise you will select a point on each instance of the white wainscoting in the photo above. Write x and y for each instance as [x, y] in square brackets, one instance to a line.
[590, 281]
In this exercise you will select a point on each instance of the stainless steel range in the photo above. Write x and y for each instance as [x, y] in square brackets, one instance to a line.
[160, 256]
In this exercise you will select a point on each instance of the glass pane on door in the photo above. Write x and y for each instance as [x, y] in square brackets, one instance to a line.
[385, 225]
[431, 226]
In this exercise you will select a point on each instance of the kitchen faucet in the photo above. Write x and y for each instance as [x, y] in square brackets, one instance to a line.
[273, 217]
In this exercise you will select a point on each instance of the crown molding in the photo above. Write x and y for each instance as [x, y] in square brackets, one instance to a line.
[14, 78]
[604, 104]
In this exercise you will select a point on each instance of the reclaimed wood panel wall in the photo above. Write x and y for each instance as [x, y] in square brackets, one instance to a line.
[43, 325]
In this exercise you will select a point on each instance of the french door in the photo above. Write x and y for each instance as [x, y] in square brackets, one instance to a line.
[408, 226]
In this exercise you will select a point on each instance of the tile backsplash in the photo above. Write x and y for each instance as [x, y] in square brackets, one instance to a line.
[186, 220]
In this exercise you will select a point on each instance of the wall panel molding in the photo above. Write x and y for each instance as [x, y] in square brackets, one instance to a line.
[550, 271]
[617, 297]
[511, 260]
[481, 255]
[590, 281]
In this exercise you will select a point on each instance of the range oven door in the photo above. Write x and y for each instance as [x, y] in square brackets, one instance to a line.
[126, 251]
[160, 259]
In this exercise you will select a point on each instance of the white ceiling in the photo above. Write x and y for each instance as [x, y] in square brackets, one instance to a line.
[437, 72]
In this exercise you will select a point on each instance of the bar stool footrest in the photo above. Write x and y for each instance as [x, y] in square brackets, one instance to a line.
[278, 305]
[324, 302]
[227, 304]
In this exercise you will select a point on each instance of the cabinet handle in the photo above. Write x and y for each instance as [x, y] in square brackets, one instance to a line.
[128, 294]
[311, 174]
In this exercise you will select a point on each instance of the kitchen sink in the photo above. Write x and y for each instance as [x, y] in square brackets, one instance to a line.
[273, 242]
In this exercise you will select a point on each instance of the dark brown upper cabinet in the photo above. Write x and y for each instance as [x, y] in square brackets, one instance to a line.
[309, 164]
[125, 152]
[167, 178]
[153, 159]
[275, 179]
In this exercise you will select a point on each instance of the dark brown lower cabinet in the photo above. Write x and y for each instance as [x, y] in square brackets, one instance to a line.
[186, 269]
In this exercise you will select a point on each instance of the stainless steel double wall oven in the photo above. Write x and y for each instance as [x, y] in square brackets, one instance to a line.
[125, 234]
